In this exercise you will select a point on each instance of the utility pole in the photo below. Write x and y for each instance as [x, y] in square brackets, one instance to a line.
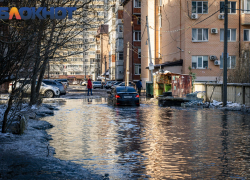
[127, 66]
[149, 49]
[105, 68]
[85, 72]
[224, 95]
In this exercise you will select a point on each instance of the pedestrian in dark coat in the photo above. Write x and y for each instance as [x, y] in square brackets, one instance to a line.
[89, 86]
[139, 86]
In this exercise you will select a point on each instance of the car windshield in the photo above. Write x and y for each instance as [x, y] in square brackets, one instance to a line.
[125, 90]
[97, 82]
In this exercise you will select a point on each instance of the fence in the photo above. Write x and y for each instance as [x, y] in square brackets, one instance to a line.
[236, 92]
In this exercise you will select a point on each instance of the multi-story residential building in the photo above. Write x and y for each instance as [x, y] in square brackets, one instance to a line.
[119, 72]
[112, 38]
[80, 59]
[193, 35]
[132, 36]
[151, 10]
[102, 42]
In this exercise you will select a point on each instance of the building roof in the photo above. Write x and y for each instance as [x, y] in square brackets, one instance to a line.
[102, 29]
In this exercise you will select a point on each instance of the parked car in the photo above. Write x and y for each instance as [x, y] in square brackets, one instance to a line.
[97, 84]
[45, 90]
[115, 84]
[123, 84]
[59, 85]
[123, 95]
[63, 81]
[109, 84]
[84, 83]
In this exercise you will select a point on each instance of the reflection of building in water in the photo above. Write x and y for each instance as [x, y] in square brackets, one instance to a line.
[163, 159]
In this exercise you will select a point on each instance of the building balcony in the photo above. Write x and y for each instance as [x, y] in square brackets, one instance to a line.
[119, 48]
[245, 19]
[119, 63]
[119, 35]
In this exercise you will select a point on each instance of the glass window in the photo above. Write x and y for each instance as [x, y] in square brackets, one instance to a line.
[199, 62]
[120, 28]
[231, 35]
[125, 90]
[231, 62]
[200, 7]
[137, 3]
[199, 34]
[231, 7]
[246, 35]
[139, 53]
[120, 56]
[137, 69]
[137, 36]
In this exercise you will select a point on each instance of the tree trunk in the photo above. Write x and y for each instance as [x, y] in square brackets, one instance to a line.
[5, 118]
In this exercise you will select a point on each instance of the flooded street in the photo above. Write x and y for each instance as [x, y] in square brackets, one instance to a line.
[152, 142]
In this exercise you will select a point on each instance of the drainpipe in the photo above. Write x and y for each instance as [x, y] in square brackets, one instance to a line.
[132, 41]
[239, 29]
[180, 28]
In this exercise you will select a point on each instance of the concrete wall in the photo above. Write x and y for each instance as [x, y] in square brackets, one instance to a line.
[236, 92]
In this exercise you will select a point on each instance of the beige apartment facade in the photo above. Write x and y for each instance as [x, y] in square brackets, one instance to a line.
[102, 40]
[192, 32]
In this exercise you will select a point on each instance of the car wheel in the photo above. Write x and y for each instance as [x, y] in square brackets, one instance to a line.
[49, 94]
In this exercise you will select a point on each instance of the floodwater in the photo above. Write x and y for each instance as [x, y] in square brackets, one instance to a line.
[152, 142]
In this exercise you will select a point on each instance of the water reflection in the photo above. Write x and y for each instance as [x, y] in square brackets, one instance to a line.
[151, 141]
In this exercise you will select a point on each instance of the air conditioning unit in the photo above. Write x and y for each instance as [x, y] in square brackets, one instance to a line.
[194, 16]
[213, 57]
[217, 63]
[214, 31]
[221, 16]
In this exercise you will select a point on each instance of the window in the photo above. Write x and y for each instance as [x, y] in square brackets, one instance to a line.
[139, 53]
[246, 6]
[199, 7]
[160, 2]
[160, 21]
[86, 53]
[138, 20]
[137, 69]
[120, 28]
[137, 3]
[231, 62]
[98, 56]
[120, 56]
[120, 43]
[246, 35]
[231, 35]
[199, 62]
[231, 7]
[91, 52]
[199, 34]
[137, 36]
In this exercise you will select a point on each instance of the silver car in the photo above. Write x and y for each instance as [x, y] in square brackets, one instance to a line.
[97, 84]
[57, 84]
[47, 91]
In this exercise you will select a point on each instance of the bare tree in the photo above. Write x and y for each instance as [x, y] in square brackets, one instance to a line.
[241, 73]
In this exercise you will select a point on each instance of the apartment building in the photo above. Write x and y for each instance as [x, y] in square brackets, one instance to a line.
[151, 10]
[119, 72]
[192, 34]
[132, 36]
[79, 59]
[112, 38]
[102, 42]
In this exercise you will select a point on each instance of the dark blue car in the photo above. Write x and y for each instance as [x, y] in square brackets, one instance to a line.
[123, 95]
